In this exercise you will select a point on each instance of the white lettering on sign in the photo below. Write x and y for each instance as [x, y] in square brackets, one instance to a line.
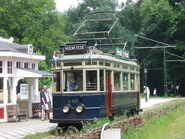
[78, 47]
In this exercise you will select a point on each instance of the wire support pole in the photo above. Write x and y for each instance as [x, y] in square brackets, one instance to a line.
[165, 72]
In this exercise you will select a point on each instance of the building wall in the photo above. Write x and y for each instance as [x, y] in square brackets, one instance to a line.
[9, 83]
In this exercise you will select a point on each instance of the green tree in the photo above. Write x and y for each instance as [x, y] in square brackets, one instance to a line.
[160, 20]
[46, 80]
[35, 22]
[75, 16]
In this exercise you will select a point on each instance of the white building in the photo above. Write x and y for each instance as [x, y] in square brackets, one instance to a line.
[18, 62]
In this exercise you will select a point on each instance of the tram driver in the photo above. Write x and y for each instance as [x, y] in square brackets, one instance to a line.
[78, 84]
[73, 81]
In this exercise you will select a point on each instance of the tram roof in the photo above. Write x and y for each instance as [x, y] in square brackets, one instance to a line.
[75, 58]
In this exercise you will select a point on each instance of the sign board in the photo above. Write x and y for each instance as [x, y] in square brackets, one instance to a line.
[74, 48]
[122, 54]
[114, 133]
[24, 91]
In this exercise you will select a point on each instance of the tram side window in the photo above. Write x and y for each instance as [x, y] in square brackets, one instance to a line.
[91, 80]
[132, 81]
[117, 83]
[73, 81]
[101, 80]
[56, 79]
[125, 81]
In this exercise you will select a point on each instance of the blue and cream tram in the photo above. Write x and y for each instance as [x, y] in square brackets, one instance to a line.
[89, 85]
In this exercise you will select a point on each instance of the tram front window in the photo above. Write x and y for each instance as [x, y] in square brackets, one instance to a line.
[56, 81]
[91, 80]
[73, 81]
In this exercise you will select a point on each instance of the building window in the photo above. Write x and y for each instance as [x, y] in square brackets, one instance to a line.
[33, 65]
[1, 90]
[18, 64]
[1, 66]
[26, 65]
[117, 79]
[9, 67]
[91, 80]
[9, 89]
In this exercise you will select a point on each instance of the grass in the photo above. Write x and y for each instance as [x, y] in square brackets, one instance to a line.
[154, 126]
[38, 136]
[168, 126]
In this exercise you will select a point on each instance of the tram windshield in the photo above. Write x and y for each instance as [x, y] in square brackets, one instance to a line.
[73, 81]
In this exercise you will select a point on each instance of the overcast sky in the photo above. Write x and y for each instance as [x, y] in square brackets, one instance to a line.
[63, 5]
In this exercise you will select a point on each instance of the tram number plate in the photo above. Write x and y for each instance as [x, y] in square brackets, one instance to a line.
[76, 100]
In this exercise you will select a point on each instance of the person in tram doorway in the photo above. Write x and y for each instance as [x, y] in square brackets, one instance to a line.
[43, 102]
[154, 92]
[147, 93]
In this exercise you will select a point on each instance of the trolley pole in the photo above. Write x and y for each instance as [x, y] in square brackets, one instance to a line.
[165, 74]
[145, 73]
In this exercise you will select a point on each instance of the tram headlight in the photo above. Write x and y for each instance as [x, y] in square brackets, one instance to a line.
[66, 109]
[79, 109]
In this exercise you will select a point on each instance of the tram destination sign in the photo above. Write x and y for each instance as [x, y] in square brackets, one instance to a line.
[74, 48]
[122, 54]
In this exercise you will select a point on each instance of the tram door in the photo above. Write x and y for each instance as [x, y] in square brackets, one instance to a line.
[108, 94]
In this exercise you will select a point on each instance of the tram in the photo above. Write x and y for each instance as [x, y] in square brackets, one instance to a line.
[88, 85]
[92, 83]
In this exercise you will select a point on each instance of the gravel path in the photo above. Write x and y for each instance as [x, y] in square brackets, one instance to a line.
[154, 101]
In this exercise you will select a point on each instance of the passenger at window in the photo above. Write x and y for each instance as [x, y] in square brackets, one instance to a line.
[78, 85]
[117, 85]
[70, 82]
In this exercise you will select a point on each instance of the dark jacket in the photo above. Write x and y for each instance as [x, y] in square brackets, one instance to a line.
[42, 95]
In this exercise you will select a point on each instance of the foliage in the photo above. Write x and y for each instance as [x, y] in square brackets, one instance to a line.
[46, 80]
[75, 16]
[160, 20]
[39, 135]
[33, 22]
[161, 125]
